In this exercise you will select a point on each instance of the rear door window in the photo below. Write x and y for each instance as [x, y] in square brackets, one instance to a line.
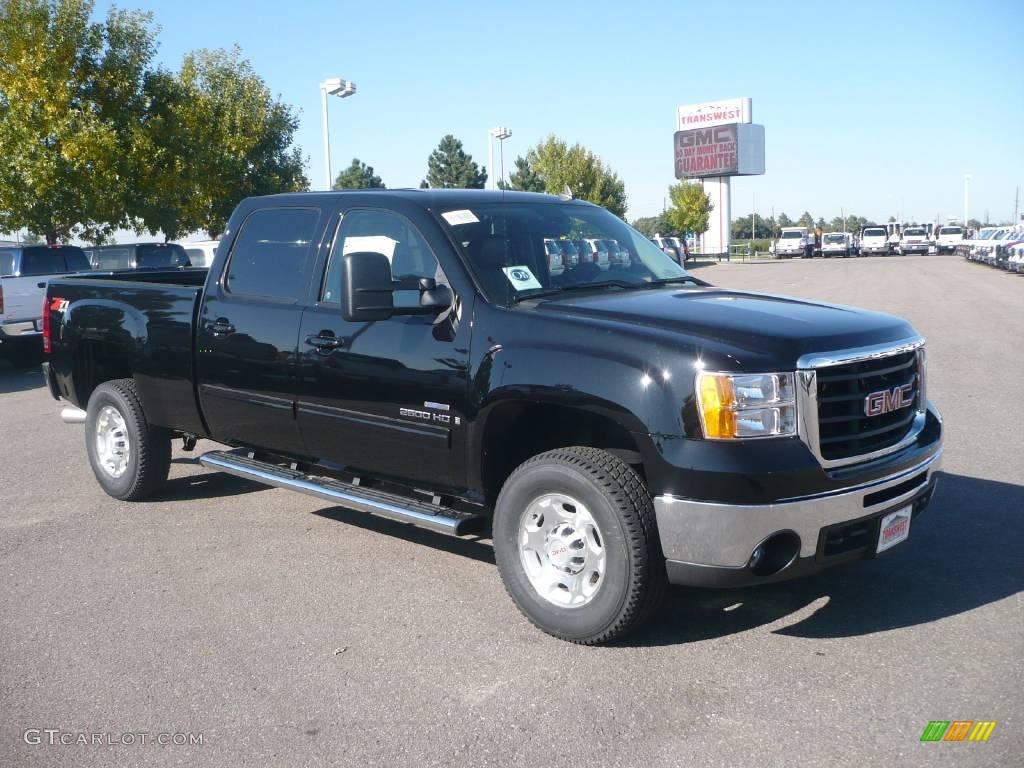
[76, 260]
[43, 261]
[270, 257]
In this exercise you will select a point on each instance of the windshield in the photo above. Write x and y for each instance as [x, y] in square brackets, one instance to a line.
[6, 263]
[791, 234]
[878, 232]
[951, 231]
[504, 245]
[835, 238]
[914, 231]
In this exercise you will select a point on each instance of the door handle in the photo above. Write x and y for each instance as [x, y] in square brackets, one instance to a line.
[220, 327]
[325, 344]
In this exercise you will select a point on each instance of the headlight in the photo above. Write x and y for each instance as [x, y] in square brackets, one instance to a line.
[747, 405]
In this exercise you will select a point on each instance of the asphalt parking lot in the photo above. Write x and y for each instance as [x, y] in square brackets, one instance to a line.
[286, 631]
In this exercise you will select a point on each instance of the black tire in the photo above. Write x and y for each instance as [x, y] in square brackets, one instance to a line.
[149, 455]
[634, 581]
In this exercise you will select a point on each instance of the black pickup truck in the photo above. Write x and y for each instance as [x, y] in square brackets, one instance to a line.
[614, 425]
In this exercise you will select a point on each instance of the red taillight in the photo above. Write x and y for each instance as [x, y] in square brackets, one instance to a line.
[52, 303]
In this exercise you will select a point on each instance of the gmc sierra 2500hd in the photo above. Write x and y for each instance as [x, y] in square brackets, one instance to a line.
[426, 356]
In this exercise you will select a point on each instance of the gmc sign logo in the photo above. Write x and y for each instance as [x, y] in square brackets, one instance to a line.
[699, 138]
[888, 400]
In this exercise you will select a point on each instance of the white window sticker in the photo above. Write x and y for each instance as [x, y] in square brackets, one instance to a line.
[460, 217]
[522, 278]
[372, 243]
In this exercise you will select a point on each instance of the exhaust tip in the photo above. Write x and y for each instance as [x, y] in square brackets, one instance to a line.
[774, 554]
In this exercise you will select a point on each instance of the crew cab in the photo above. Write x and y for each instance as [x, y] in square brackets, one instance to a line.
[793, 241]
[412, 354]
[874, 240]
[836, 244]
[24, 271]
[914, 240]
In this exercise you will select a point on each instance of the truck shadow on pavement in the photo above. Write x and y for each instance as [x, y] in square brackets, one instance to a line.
[207, 485]
[964, 552]
[19, 379]
[473, 547]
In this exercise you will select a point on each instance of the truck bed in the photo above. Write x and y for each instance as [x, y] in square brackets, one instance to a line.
[129, 324]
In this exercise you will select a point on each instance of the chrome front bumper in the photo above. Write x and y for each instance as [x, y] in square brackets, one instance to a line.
[723, 535]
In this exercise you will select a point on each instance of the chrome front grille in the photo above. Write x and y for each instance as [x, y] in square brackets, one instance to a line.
[833, 390]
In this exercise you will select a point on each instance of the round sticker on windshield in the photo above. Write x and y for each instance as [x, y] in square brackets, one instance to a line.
[522, 278]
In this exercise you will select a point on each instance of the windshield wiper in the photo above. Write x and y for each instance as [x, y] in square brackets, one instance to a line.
[576, 287]
[669, 280]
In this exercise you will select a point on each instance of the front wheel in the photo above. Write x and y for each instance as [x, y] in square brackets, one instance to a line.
[576, 543]
[129, 456]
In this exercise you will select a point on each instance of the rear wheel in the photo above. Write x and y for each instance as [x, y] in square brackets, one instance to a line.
[129, 456]
[576, 543]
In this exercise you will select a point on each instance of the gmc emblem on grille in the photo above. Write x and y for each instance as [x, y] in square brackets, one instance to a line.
[888, 400]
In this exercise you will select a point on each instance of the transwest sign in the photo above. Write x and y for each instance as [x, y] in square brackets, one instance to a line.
[713, 113]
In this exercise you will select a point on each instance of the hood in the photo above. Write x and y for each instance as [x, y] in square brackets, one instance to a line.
[722, 321]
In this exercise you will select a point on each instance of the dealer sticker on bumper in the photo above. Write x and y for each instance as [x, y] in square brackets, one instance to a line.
[895, 528]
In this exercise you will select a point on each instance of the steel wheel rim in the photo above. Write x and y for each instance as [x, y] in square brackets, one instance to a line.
[113, 448]
[562, 550]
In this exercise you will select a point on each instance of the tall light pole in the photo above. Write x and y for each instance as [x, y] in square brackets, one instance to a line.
[500, 133]
[333, 86]
[967, 189]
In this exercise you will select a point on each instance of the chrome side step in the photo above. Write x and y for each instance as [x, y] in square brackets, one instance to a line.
[432, 516]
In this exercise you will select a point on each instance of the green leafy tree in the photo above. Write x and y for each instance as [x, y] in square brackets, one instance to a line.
[358, 175]
[784, 221]
[524, 178]
[690, 209]
[218, 136]
[648, 226]
[806, 221]
[31, 238]
[560, 167]
[449, 167]
[71, 90]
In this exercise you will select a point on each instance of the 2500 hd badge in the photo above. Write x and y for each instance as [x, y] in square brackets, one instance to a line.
[513, 365]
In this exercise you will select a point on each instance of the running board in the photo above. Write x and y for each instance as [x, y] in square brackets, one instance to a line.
[432, 516]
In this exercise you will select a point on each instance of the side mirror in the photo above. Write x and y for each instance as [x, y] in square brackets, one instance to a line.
[368, 293]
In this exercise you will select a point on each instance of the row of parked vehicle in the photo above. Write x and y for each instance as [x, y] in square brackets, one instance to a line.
[675, 248]
[25, 270]
[893, 239]
[1001, 247]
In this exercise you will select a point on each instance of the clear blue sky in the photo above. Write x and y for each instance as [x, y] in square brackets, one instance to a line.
[880, 108]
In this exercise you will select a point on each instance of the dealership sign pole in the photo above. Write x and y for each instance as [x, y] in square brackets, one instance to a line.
[715, 141]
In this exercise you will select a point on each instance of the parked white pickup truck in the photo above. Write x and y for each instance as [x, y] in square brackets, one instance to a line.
[792, 242]
[949, 238]
[874, 240]
[24, 271]
[913, 240]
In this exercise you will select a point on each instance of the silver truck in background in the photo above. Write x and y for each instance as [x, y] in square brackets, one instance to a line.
[24, 272]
